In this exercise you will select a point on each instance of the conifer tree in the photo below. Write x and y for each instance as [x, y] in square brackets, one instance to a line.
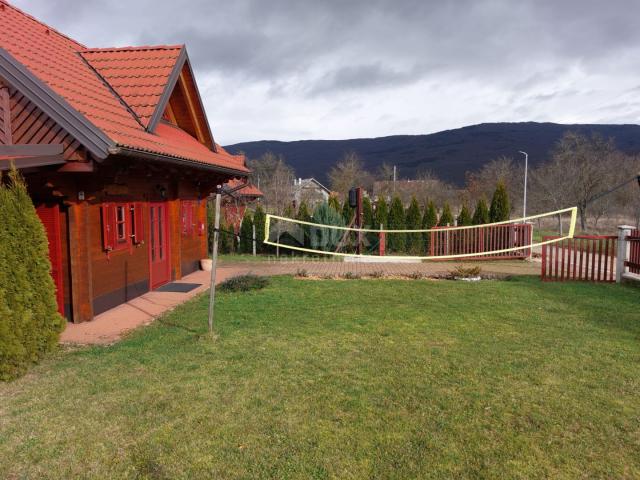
[367, 213]
[481, 214]
[396, 241]
[413, 222]
[246, 233]
[305, 216]
[259, 218]
[464, 217]
[429, 220]
[29, 321]
[382, 213]
[500, 209]
[347, 211]
[446, 218]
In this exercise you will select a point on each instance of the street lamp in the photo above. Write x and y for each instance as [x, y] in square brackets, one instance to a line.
[524, 203]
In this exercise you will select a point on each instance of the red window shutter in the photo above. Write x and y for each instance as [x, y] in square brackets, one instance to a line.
[108, 226]
[138, 219]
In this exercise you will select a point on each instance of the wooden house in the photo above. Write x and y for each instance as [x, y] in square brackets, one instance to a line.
[118, 156]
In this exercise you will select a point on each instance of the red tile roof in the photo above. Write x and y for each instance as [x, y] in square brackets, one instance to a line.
[138, 74]
[249, 190]
[66, 67]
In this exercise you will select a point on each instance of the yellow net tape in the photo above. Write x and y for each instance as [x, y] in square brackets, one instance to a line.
[572, 210]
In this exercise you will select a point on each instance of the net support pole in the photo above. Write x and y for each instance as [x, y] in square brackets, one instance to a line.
[214, 262]
[253, 243]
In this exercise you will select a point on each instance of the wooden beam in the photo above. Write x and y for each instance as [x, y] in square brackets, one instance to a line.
[80, 263]
[5, 103]
[33, 150]
[30, 162]
[192, 108]
[172, 116]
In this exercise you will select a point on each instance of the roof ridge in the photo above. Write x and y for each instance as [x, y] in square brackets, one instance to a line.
[131, 48]
[40, 22]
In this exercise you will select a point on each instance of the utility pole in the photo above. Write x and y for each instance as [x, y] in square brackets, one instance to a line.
[526, 167]
[214, 261]
[394, 179]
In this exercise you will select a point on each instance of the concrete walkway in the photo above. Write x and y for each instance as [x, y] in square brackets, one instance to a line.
[109, 327]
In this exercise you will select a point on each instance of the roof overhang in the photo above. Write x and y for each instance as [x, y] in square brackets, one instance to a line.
[129, 152]
[56, 107]
[30, 156]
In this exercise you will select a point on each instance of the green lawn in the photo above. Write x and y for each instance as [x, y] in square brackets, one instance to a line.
[347, 379]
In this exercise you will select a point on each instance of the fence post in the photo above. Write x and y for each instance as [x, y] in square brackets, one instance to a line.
[623, 250]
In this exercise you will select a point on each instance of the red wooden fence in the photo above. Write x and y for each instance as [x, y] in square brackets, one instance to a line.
[448, 241]
[583, 257]
[634, 252]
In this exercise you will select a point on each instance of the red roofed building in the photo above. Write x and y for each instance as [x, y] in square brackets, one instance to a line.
[118, 156]
[235, 204]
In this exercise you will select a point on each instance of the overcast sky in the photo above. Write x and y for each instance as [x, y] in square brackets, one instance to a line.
[297, 69]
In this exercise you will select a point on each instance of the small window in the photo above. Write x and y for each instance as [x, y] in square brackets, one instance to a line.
[121, 223]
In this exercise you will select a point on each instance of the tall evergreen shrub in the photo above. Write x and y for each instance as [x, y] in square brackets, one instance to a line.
[246, 233]
[30, 324]
[429, 220]
[382, 213]
[500, 209]
[481, 213]
[414, 222]
[464, 218]
[396, 242]
[446, 218]
[259, 218]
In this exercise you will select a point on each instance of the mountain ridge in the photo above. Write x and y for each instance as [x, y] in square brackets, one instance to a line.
[448, 154]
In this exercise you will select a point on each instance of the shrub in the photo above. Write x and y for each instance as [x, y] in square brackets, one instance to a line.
[259, 219]
[325, 238]
[481, 214]
[246, 233]
[301, 272]
[377, 274]
[30, 324]
[382, 213]
[413, 222]
[464, 218]
[460, 271]
[447, 217]
[350, 276]
[396, 241]
[243, 283]
[500, 210]
[429, 220]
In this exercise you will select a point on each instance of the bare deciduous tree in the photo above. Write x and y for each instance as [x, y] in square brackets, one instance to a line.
[349, 172]
[271, 174]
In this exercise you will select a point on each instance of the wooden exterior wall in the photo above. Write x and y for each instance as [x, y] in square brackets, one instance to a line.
[96, 280]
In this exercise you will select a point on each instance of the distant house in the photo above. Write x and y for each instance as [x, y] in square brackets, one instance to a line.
[310, 191]
[117, 153]
[235, 204]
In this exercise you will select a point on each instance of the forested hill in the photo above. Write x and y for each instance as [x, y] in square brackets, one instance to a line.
[449, 154]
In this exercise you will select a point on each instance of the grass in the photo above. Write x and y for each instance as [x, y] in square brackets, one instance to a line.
[347, 379]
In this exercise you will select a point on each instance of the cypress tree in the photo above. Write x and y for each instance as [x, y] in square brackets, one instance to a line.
[499, 210]
[481, 214]
[464, 218]
[429, 220]
[413, 222]
[305, 216]
[447, 217]
[367, 213]
[382, 213]
[347, 211]
[325, 238]
[246, 233]
[396, 241]
[29, 321]
[259, 219]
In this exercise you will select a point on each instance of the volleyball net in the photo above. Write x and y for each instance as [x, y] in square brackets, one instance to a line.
[327, 234]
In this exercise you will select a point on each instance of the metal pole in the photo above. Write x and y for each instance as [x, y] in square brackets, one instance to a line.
[214, 261]
[526, 167]
[254, 239]
[394, 179]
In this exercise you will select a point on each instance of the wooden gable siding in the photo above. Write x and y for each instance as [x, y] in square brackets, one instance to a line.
[30, 125]
[5, 115]
[184, 109]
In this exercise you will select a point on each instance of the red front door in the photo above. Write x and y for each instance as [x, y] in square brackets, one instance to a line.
[50, 218]
[159, 259]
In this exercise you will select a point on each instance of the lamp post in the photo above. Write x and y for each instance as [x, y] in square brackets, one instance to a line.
[526, 166]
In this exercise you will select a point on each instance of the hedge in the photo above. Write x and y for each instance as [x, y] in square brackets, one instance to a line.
[30, 324]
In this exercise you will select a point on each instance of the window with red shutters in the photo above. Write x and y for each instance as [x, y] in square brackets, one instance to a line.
[122, 226]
